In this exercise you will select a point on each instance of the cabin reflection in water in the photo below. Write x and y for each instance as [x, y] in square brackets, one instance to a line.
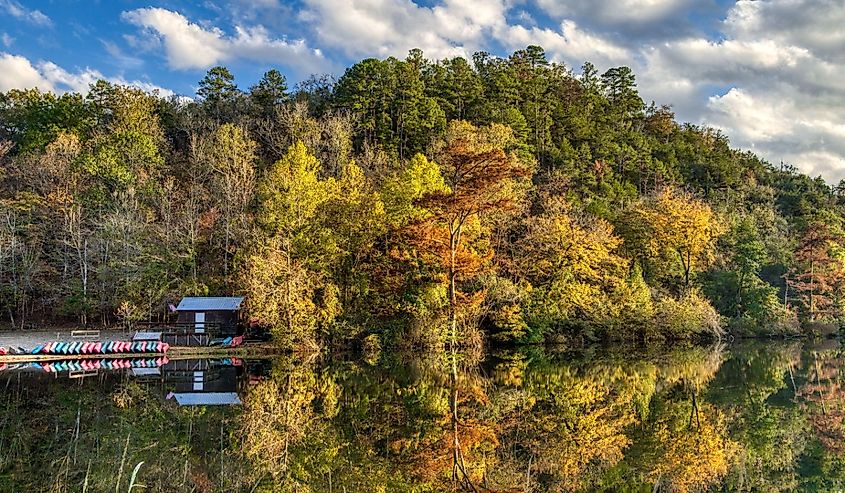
[188, 382]
[202, 382]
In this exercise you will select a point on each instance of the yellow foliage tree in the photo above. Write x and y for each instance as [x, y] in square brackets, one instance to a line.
[672, 224]
[285, 274]
[572, 260]
[356, 217]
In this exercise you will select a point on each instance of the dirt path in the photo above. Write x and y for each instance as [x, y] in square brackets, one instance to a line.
[28, 339]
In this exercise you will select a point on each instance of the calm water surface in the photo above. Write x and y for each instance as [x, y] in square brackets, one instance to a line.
[748, 417]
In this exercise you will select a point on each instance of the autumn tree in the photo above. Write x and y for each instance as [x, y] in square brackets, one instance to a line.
[285, 274]
[479, 173]
[818, 277]
[572, 261]
[356, 216]
[672, 224]
[402, 281]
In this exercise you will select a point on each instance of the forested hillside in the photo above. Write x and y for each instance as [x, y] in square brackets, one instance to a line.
[516, 198]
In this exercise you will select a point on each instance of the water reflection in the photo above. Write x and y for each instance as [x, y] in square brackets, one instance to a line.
[751, 417]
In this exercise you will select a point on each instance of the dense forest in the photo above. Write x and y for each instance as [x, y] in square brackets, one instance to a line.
[411, 203]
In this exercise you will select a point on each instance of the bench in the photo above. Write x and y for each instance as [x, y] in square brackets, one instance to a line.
[85, 333]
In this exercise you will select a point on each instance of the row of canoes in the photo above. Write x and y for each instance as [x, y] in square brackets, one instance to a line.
[108, 347]
[102, 364]
[89, 364]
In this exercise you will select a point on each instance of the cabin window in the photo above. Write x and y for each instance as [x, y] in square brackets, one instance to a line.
[199, 322]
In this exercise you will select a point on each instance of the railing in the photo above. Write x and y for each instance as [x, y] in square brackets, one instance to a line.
[186, 328]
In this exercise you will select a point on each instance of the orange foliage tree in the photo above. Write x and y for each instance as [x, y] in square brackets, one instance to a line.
[819, 276]
[479, 173]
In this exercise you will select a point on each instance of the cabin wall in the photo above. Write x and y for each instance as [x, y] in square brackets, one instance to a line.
[226, 319]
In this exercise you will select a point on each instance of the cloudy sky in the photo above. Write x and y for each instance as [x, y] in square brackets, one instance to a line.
[768, 72]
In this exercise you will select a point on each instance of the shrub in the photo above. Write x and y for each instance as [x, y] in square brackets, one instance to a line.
[690, 315]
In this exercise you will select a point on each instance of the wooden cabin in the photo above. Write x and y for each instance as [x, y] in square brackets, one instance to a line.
[216, 315]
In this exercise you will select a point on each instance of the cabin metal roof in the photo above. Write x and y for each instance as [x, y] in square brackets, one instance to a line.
[199, 304]
[207, 398]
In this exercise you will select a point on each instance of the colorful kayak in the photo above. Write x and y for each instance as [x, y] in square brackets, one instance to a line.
[60, 348]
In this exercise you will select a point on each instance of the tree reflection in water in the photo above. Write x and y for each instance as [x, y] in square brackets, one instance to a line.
[754, 417]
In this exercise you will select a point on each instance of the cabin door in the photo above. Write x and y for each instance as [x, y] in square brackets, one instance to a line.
[199, 323]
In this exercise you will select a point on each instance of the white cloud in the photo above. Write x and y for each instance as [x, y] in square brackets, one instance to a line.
[6, 40]
[392, 27]
[615, 11]
[188, 45]
[799, 130]
[755, 121]
[17, 72]
[776, 76]
[570, 44]
[18, 11]
[815, 25]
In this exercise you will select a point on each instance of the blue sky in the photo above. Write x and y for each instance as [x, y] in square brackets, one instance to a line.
[766, 72]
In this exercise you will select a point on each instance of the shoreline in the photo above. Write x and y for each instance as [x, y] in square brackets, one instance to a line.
[248, 351]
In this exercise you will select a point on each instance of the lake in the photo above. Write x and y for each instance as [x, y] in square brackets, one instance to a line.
[761, 416]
